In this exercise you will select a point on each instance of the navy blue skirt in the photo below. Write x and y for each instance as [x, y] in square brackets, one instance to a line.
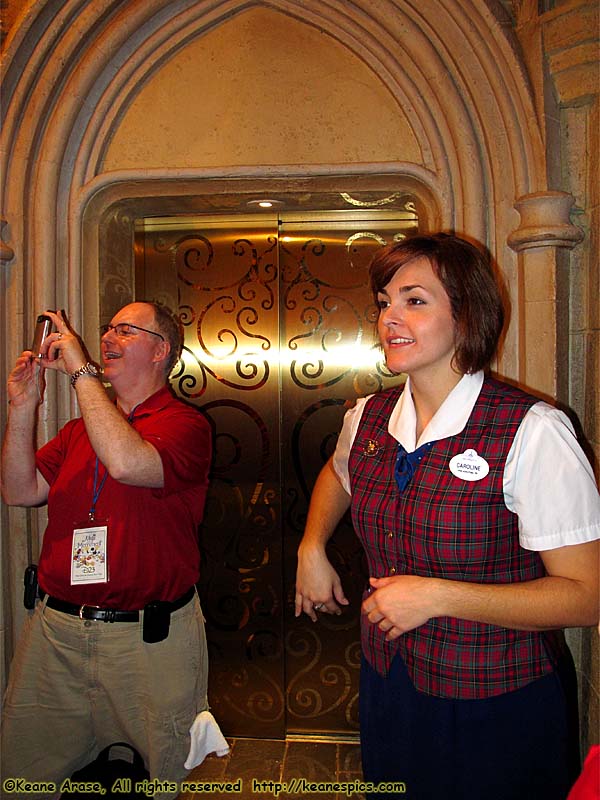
[522, 745]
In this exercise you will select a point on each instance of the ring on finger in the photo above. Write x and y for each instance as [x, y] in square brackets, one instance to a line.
[318, 606]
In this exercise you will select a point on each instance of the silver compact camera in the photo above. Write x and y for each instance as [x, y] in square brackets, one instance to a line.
[43, 327]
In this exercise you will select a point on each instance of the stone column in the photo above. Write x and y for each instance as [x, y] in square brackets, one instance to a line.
[6, 252]
[540, 241]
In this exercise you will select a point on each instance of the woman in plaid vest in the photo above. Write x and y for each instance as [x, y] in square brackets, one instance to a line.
[480, 519]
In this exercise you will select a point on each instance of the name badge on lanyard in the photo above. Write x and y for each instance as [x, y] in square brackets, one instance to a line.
[89, 561]
[89, 550]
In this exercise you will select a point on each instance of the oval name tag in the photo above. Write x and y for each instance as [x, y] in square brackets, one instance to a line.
[469, 466]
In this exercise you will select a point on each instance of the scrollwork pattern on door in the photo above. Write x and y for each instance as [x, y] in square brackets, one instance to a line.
[279, 339]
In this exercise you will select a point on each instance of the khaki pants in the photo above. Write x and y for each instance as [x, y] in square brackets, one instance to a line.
[76, 686]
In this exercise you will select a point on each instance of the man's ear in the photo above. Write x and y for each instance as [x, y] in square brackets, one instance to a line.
[162, 351]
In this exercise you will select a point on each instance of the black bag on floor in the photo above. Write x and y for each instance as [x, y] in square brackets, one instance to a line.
[107, 771]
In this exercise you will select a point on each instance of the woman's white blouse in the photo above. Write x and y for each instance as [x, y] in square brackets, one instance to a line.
[548, 481]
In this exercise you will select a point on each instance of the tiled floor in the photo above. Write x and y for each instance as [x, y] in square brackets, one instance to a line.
[262, 765]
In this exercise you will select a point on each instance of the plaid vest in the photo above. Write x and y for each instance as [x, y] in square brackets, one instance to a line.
[446, 527]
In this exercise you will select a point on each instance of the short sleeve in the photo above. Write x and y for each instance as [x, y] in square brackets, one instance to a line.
[50, 457]
[549, 483]
[183, 441]
[345, 441]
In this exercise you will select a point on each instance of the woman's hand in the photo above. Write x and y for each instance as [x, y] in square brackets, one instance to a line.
[566, 597]
[318, 586]
[400, 603]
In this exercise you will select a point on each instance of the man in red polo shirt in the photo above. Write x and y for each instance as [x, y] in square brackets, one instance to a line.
[116, 649]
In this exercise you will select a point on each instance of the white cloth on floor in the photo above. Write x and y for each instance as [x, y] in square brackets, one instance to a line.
[206, 737]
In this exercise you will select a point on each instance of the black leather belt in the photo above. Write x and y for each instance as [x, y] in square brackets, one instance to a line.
[111, 614]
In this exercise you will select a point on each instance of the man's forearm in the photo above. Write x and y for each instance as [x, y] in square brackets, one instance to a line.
[20, 485]
[126, 456]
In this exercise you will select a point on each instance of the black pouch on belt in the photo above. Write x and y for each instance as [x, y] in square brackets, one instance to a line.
[157, 619]
[30, 582]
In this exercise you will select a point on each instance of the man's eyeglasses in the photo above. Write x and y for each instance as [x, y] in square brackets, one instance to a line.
[126, 329]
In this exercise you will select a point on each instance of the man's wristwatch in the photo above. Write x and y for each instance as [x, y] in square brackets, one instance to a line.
[87, 369]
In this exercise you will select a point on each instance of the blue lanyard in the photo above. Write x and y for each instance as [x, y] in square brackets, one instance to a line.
[97, 489]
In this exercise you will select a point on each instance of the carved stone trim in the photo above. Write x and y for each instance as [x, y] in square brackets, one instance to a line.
[545, 222]
[6, 252]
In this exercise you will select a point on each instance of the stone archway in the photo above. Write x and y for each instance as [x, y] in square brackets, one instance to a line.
[465, 91]
[72, 71]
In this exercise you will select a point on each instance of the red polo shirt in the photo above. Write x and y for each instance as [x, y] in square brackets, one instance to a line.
[152, 548]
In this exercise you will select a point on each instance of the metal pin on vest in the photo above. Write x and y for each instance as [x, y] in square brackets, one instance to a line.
[371, 448]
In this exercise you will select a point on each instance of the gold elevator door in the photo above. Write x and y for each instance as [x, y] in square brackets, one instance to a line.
[279, 340]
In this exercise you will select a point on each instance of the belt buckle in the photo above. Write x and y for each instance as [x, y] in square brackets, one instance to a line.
[82, 609]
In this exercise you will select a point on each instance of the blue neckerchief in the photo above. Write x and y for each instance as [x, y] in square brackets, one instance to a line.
[406, 464]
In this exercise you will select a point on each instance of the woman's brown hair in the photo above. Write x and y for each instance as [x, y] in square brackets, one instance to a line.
[466, 274]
